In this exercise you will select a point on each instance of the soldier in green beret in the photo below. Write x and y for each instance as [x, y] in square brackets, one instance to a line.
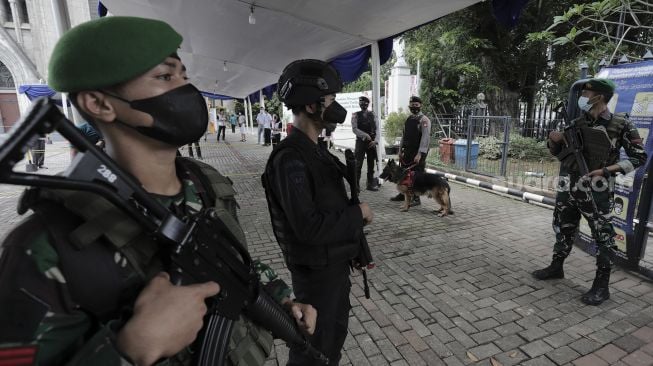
[574, 200]
[94, 293]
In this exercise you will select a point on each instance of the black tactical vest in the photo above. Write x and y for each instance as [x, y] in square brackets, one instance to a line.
[412, 132]
[326, 183]
[365, 122]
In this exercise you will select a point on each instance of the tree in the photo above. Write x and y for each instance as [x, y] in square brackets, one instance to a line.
[600, 30]
[468, 52]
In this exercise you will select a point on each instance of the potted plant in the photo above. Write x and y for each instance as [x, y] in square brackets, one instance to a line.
[392, 130]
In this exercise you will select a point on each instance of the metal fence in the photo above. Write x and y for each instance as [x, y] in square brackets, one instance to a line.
[512, 149]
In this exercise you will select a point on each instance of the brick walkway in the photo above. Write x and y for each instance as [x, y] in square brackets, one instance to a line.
[455, 290]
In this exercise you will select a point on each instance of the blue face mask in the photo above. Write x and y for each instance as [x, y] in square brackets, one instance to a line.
[584, 104]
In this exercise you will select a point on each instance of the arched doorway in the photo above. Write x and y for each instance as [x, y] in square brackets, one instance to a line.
[9, 111]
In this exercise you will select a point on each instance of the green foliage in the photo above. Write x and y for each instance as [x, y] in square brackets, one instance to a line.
[239, 107]
[521, 148]
[468, 52]
[527, 148]
[394, 126]
[590, 31]
[274, 105]
[489, 148]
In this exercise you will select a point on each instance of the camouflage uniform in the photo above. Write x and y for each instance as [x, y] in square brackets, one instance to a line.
[572, 202]
[40, 309]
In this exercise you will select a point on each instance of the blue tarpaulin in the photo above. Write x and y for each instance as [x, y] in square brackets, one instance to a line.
[40, 90]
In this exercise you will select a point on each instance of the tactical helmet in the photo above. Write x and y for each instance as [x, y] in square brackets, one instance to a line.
[305, 81]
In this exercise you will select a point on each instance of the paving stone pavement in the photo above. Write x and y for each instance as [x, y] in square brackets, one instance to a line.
[454, 290]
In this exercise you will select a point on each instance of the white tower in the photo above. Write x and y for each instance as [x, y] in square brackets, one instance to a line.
[400, 80]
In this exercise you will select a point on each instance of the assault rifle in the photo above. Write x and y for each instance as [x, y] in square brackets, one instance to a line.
[364, 260]
[200, 250]
[574, 143]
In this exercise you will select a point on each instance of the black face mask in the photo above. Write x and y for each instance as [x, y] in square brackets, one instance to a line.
[415, 110]
[180, 115]
[334, 113]
[364, 106]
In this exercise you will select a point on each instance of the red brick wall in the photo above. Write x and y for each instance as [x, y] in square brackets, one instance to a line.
[9, 112]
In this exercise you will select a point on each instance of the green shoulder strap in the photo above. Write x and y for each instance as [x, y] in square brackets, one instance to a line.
[219, 193]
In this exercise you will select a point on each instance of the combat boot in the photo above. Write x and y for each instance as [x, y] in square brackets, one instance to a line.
[599, 291]
[399, 197]
[553, 271]
[372, 184]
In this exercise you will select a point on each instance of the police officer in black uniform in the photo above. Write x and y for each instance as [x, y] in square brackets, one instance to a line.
[317, 228]
[414, 142]
[364, 125]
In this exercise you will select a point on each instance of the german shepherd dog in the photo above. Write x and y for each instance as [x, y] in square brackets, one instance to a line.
[423, 183]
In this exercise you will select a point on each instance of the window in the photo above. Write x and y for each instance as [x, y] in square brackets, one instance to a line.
[5, 11]
[6, 80]
[22, 10]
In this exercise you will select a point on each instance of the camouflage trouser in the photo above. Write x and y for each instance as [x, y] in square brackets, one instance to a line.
[566, 218]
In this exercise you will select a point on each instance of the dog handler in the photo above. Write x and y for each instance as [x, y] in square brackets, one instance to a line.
[315, 224]
[415, 142]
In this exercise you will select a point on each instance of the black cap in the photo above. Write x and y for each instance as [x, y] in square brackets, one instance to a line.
[415, 99]
[305, 81]
[363, 99]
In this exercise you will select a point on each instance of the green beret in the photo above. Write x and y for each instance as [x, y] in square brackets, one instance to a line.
[108, 51]
[600, 85]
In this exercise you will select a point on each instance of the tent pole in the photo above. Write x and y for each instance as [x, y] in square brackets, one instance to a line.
[251, 117]
[247, 120]
[260, 98]
[376, 103]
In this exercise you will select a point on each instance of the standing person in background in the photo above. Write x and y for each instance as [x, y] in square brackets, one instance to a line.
[277, 126]
[213, 121]
[364, 124]
[38, 152]
[222, 124]
[415, 141]
[267, 129]
[233, 120]
[242, 124]
[261, 117]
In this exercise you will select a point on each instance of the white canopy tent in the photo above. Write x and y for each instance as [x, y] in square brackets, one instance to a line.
[226, 54]
[218, 31]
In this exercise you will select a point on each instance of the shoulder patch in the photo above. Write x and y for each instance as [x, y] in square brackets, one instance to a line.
[24, 355]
